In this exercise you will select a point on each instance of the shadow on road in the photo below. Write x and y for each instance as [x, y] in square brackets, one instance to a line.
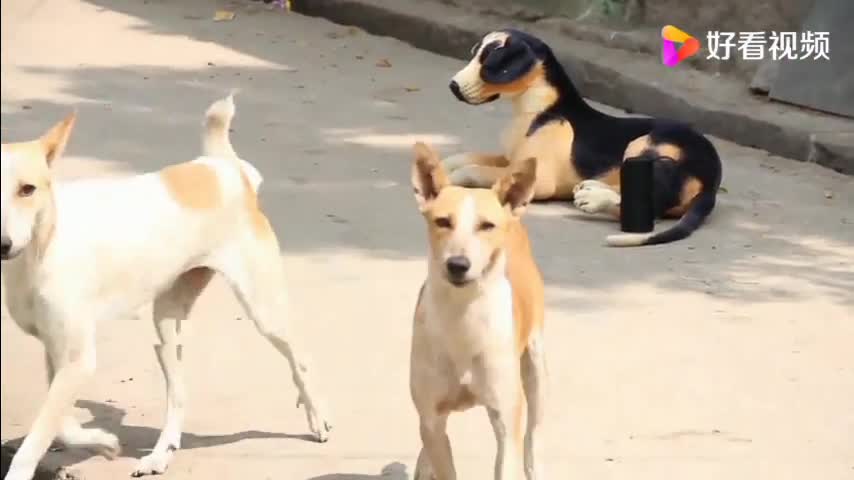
[137, 441]
[342, 185]
[392, 471]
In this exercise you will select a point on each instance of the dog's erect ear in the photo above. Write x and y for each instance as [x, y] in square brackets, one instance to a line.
[54, 141]
[516, 190]
[428, 175]
[508, 63]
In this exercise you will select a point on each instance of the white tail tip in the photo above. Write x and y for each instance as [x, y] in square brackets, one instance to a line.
[627, 239]
[222, 110]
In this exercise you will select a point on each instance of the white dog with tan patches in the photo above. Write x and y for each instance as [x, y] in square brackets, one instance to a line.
[79, 252]
[478, 328]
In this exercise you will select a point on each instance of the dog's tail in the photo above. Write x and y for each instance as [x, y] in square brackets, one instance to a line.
[701, 206]
[216, 140]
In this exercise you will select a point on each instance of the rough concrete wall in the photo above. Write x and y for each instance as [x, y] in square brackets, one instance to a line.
[729, 15]
[693, 15]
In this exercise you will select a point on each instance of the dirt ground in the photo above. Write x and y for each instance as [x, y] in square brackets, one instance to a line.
[727, 355]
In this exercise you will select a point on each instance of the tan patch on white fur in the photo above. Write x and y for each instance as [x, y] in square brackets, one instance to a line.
[636, 147]
[611, 178]
[669, 150]
[551, 146]
[526, 282]
[55, 140]
[29, 163]
[690, 189]
[193, 185]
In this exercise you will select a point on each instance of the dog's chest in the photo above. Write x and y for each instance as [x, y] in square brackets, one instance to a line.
[466, 331]
[24, 303]
[516, 134]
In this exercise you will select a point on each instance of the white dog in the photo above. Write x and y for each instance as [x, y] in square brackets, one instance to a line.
[478, 337]
[84, 251]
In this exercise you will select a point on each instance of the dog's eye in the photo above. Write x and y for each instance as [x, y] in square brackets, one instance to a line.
[442, 222]
[26, 190]
[485, 226]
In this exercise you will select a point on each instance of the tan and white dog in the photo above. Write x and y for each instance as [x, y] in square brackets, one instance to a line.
[80, 252]
[478, 329]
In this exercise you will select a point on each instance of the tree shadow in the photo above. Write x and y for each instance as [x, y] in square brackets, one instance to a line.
[344, 187]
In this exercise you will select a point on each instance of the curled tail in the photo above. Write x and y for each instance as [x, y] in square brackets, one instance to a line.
[216, 140]
[700, 208]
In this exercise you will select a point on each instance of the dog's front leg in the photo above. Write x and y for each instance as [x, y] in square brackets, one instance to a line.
[435, 462]
[71, 434]
[504, 404]
[506, 424]
[74, 361]
[534, 382]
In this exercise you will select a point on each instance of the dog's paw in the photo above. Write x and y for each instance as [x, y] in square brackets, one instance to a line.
[596, 199]
[318, 421]
[589, 185]
[94, 439]
[108, 445]
[423, 469]
[155, 463]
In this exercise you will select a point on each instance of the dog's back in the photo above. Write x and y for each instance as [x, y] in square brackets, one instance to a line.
[526, 283]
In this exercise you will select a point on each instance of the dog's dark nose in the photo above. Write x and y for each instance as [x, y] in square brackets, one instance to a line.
[5, 247]
[455, 89]
[458, 266]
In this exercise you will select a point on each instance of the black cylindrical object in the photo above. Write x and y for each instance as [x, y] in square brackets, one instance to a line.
[637, 211]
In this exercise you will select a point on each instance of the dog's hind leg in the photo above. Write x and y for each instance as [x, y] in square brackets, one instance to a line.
[534, 382]
[258, 282]
[477, 176]
[170, 309]
[72, 434]
[72, 353]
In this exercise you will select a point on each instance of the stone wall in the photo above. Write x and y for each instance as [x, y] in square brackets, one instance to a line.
[728, 15]
[691, 15]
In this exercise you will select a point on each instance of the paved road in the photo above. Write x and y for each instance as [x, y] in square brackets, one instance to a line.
[727, 355]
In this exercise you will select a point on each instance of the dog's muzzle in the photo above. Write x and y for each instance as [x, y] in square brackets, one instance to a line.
[455, 89]
[457, 269]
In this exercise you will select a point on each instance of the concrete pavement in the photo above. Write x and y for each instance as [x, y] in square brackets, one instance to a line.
[727, 355]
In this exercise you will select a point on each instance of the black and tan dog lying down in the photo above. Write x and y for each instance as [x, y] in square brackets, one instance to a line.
[578, 148]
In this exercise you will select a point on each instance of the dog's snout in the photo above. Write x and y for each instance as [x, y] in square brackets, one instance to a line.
[455, 89]
[458, 266]
[5, 247]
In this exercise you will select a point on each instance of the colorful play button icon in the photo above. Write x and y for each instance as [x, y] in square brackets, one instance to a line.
[671, 54]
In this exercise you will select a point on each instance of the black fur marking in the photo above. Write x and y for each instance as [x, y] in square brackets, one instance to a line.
[503, 65]
[600, 141]
[487, 49]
